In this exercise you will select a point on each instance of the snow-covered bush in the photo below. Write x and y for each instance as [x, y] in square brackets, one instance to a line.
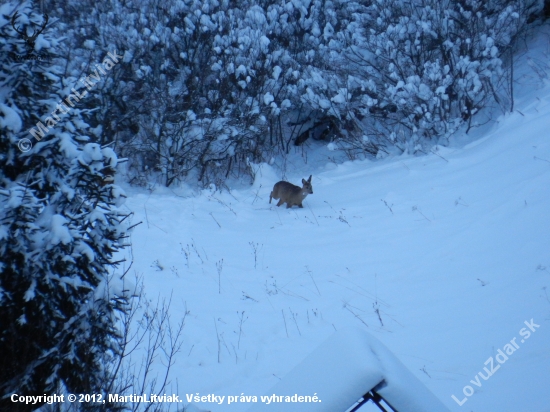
[427, 66]
[189, 96]
[206, 87]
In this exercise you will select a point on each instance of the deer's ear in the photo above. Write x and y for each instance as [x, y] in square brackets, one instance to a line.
[303, 181]
[309, 180]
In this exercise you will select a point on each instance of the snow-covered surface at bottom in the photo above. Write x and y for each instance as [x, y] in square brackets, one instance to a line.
[343, 369]
[443, 258]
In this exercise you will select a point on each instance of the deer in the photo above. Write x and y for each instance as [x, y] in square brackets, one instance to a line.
[291, 194]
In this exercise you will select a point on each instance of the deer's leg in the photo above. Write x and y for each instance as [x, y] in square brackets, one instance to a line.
[280, 202]
[300, 205]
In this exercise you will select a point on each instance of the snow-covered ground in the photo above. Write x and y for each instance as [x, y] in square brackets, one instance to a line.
[441, 257]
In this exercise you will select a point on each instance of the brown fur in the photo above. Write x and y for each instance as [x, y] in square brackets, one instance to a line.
[291, 194]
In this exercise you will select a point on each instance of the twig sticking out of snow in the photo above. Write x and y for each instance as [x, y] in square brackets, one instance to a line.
[388, 206]
[376, 307]
[284, 319]
[221, 202]
[426, 372]
[438, 155]
[295, 322]
[482, 282]
[256, 197]
[186, 252]
[415, 209]
[241, 321]
[459, 201]
[315, 283]
[356, 315]
[218, 338]
[246, 296]
[215, 220]
[219, 266]
[196, 251]
[313, 215]
[255, 248]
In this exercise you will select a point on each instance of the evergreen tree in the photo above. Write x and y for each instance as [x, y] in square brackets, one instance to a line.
[59, 225]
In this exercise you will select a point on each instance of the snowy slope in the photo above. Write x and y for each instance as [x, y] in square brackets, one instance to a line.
[452, 249]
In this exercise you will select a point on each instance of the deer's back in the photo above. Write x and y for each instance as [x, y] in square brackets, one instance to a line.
[285, 189]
